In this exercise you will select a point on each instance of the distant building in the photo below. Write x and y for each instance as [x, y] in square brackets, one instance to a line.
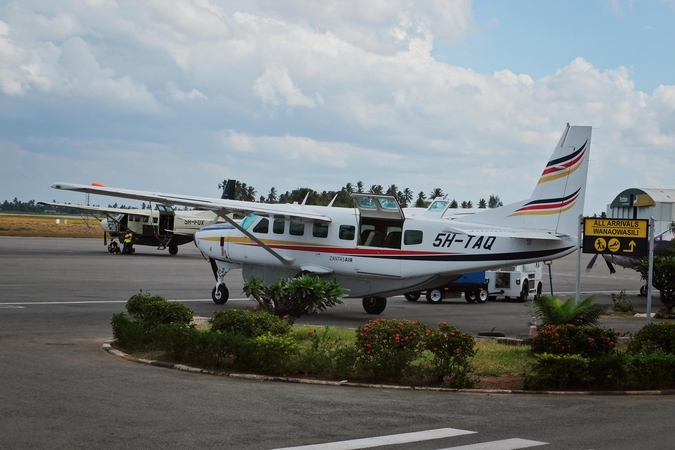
[635, 203]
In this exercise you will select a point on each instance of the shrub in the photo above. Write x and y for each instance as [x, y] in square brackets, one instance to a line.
[153, 310]
[248, 323]
[589, 342]
[275, 354]
[654, 338]
[452, 351]
[291, 298]
[387, 347]
[556, 372]
[649, 371]
[552, 311]
[127, 334]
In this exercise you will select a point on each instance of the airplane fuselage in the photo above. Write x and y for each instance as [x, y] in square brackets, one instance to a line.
[408, 254]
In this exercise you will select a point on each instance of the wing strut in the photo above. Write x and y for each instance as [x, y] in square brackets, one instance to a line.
[284, 261]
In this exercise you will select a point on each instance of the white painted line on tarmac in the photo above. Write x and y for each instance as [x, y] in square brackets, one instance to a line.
[94, 302]
[378, 441]
[505, 444]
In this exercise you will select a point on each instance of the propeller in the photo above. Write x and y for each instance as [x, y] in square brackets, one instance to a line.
[610, 266]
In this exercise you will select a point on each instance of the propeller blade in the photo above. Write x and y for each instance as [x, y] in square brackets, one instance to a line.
[592, 262]
[611, 268]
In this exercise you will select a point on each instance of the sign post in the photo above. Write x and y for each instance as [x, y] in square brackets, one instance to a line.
[624, 237]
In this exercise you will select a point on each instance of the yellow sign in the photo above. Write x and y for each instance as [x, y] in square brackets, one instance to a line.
[616, 228]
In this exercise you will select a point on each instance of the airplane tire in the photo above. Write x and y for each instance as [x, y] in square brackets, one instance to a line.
[470, 296]
[220, 295]
[374, 305]
[434, 296]
[173, 249]
[643, 290]
[482, 296]
[525, 292]
[540, 288]
[413, 296]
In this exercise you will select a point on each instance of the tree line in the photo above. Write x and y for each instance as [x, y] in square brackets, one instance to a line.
[342, 198]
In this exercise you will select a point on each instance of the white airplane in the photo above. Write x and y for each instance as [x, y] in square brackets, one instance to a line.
[374, 250]
[162, 227]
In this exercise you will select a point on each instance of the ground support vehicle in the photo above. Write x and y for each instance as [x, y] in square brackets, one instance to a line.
[515, 281]
[474, 285]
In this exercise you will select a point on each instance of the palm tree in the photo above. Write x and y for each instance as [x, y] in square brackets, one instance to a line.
[272, 196]
[359, 187]
[408, 196]
[376, 189]
[421, 200]
[437, 192]
[550, 310]
[494, 201]
[453, 203]
[482, 204]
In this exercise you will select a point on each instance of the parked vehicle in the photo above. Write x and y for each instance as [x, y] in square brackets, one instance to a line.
[515, 281]
[474, 285]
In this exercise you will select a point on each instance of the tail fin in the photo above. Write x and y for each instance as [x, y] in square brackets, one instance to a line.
[558, 199]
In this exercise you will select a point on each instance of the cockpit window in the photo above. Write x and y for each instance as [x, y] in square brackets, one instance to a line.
[388, 203]
[366, 202]
[248, 220]
[438, 205]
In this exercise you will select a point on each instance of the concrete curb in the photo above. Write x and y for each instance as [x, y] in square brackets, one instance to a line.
[110, 349]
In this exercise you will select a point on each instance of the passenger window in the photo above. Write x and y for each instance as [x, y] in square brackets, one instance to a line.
[320, 230]
[278, 226]
[347, 232]
[262, 226]
[412, 237]
[296, 228]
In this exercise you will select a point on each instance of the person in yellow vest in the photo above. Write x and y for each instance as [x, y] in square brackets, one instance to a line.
[127, 249]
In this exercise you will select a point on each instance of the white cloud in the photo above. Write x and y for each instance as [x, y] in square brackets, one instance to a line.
[275, 86]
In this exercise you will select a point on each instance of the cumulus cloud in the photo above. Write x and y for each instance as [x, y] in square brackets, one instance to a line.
[363, 97]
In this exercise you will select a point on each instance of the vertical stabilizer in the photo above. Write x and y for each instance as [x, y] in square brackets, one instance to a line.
[558, 199]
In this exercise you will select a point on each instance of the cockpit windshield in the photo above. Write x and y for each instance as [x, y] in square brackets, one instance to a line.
[248, 221]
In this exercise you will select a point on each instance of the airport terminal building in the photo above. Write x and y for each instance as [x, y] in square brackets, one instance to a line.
[636, 203]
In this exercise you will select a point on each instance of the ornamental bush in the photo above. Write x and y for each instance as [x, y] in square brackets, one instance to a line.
[127, 334]
[588, 342]
[153, 310]
[452, 351]
[650, 371]
[387, 347]
[248, 323]
[654, 338]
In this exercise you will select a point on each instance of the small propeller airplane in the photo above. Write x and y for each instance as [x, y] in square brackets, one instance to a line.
[162, 227]
[373, 250]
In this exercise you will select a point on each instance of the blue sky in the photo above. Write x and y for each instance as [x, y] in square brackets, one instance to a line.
[467, 96]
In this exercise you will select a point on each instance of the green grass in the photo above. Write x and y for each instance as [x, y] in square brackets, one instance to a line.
[498, 359]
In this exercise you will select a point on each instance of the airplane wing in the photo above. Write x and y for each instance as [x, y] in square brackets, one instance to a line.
[98, 209]
[221, 206]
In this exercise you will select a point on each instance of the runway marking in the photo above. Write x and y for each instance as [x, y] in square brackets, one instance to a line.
[378, 441]
[94, 302]
[10, 305]
[505, 444]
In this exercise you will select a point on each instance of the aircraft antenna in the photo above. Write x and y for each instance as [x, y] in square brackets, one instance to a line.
[331, 202]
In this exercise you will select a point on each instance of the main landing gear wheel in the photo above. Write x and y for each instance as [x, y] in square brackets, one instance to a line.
[540, 288]
[643, 290]
[173, 249]
[374, 305]
[412, 296]
[220, 295]
[434, 296]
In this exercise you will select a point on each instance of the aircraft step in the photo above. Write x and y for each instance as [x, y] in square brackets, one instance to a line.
[164, 242]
